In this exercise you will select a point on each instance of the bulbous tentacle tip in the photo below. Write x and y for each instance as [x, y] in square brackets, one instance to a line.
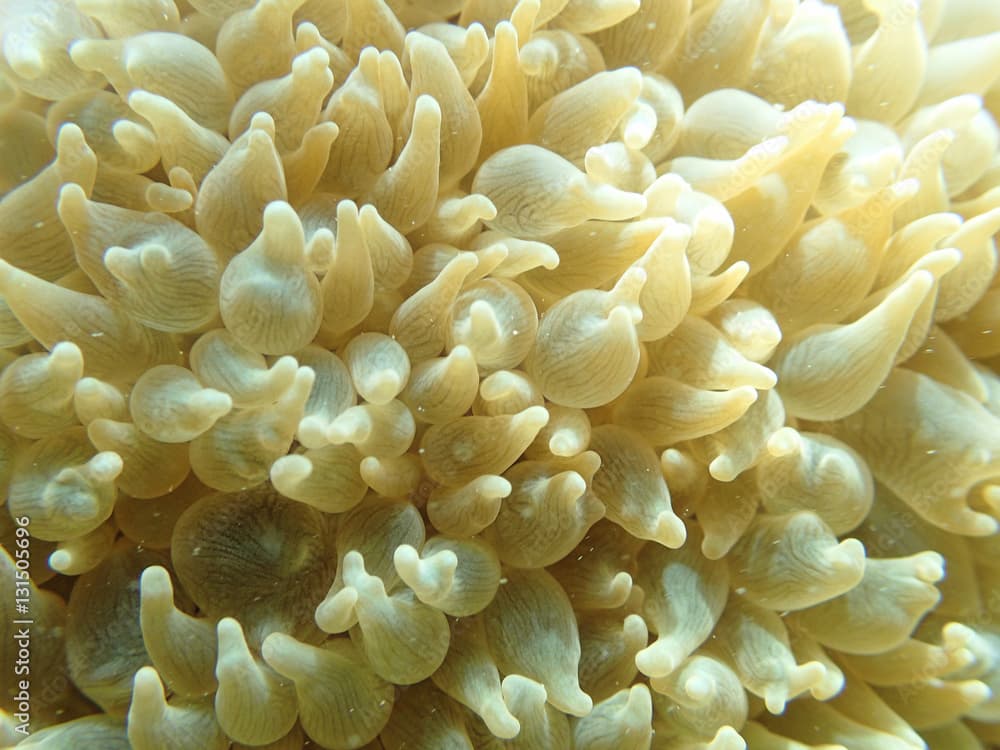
[155, 584]
[638, 709]
[775, 698]
[574, 701]
[311, 431]
[282, 227]
[211, 403]
[715, 548]
[230, 633]
[336, 613]
[727, 738]
[723, 468]
[499, 720]
[289, 471]
[24, 57]
[975, 524]
[72, 205]
[430, 577]
[66, 359]
[929, 567]
[383, 387]
[426, 113]
[699, 688]
[656, 660]
[669, 530]
[104, 467]
[149, 701]
[620, 588]
[531, 419]
[84, 53]
[847, 557]
[975, 692]
[518, 689]
[406, 558]
[285, 655]
[634, 627]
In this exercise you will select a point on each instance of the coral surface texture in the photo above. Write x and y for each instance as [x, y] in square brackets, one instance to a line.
[499, 374]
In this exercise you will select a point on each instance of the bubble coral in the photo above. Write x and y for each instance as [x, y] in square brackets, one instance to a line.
[538, 374]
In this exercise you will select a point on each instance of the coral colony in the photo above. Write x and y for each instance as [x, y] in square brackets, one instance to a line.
[529, 374]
